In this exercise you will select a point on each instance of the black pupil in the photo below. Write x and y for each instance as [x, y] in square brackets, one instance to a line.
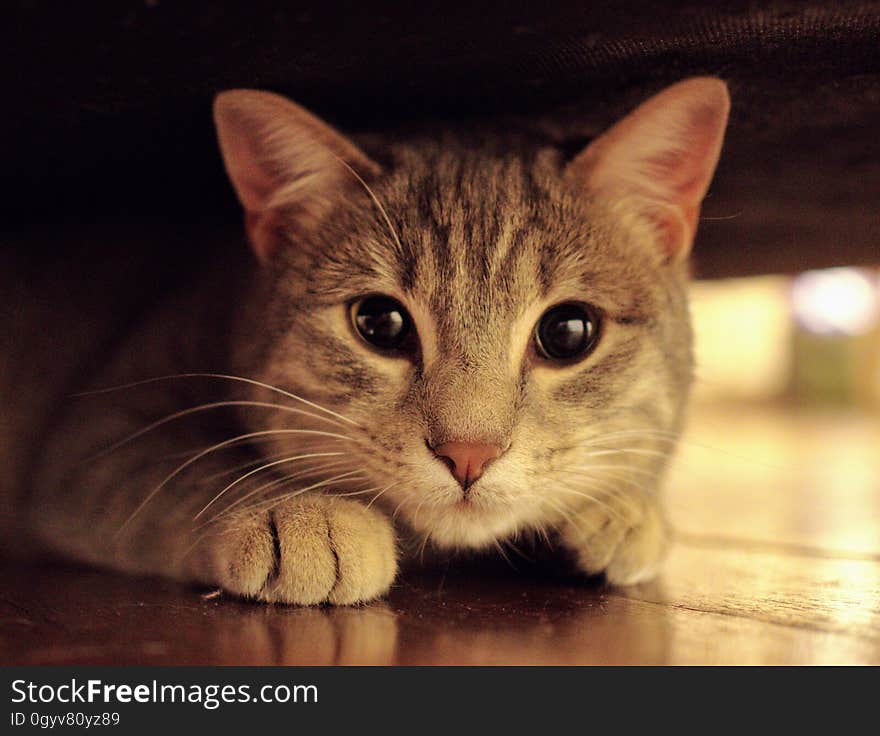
[566, 331]
[382, 321]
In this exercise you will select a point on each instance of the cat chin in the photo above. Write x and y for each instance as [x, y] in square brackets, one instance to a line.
[452, 529]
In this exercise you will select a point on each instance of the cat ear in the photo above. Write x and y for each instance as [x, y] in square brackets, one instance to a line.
[279, 155]
[658, 161]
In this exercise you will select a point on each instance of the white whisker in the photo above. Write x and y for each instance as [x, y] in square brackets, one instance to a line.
[249, 464]
[384, 490]
[277, 482]
[225, 376]
[271, 503]
[180, 468]
[590, 497]
[579, 469]
[260, 469]
[375, 199]
[206, 407]
[397, 510]
[628, 450]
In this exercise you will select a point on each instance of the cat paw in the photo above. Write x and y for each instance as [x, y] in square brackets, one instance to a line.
[307, 552]
[628, 545]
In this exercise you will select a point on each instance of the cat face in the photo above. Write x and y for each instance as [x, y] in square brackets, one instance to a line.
[501, 337]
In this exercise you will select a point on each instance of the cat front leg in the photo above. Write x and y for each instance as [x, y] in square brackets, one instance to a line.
[135, 510]
[308, 551]
[625, 541]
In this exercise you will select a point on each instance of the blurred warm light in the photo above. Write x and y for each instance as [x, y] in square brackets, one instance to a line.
[742, 329]
[811, 339]
[836, 301]
[874, 386]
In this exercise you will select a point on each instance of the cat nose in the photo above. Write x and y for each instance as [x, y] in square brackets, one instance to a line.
[467, 460]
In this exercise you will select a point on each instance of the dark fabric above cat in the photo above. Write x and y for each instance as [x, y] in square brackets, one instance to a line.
[111, 103]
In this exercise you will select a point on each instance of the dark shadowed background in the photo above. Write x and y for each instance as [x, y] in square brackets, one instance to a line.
[107, 104]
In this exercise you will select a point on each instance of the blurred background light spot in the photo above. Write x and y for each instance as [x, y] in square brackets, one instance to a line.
[836, 301]
[804, 340]
[742, 337]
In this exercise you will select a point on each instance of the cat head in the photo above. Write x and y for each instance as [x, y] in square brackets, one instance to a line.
[495, 336]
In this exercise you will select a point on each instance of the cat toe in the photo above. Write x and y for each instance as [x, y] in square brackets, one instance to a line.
[638, 557]
[626, 551]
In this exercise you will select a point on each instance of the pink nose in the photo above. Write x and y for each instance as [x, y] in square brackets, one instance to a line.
[467, 460]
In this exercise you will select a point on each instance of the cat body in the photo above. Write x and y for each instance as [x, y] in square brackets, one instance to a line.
[474, 342]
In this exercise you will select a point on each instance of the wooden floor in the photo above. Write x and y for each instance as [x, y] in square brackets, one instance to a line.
[777, 561]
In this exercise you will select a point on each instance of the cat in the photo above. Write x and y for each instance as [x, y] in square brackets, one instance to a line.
[453, 339]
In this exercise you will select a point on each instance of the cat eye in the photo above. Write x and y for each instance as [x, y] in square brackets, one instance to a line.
[567, 331]
[382, 321]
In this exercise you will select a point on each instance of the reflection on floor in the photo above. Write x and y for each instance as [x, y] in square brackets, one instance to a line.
[777, 561]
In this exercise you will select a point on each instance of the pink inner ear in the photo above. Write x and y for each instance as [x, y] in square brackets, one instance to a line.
[679, 180]
[677, 172]
[252, 183]
[274, 149]
[687, 169]
[255, 190]
[662, 156]
[674, 229]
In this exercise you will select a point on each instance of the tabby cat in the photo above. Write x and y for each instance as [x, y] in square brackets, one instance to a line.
[449, 340]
